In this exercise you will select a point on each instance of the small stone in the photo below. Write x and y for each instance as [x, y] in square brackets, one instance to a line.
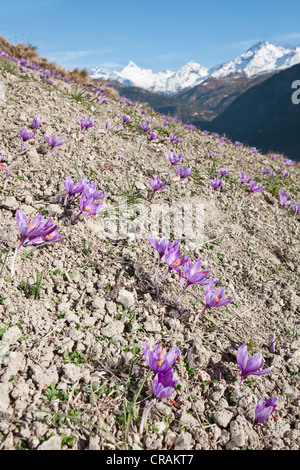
[223, 417]
[183, 441]
[170, 439]
[152, 326]
[10, 204]
[71, 373]
[125, 298]
[115, 328]
[33, 156]
[5, 388]
[53, 443]
[11, 335]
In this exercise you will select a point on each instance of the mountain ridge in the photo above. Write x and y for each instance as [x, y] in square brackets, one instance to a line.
[261, 58]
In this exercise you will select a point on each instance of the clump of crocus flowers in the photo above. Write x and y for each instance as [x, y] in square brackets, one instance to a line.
[85, 123]
[34, 232]
[216, 183]
[162, 366]
[87, 194]
[183, 172]
[191, 273]
[156, 184]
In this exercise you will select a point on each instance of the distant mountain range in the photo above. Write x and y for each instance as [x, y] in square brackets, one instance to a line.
[248, 98]
[262, 58]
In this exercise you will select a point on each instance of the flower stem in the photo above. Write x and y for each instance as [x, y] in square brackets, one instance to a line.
[154, 275]
[182, 292]
[164, 276]
[199, 315]
[12, 269]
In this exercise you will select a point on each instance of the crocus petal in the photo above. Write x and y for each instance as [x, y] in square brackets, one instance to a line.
[22, 222]
[242, 357]
[169, 359]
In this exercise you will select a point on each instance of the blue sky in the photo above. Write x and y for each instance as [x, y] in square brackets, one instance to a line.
[158, 35]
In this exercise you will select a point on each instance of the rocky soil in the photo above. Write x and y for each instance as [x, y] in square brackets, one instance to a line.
[72, 358]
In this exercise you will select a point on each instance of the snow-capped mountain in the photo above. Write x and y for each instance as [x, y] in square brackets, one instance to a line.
[164, 82]
[261, 58]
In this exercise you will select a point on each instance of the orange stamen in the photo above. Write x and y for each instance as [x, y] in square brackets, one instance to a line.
[176, 263]
[160, 361]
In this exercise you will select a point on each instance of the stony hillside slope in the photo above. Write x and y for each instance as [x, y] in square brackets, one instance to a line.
[72, 361]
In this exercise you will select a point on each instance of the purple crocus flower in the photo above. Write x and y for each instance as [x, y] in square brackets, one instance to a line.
[25, 135]
[91, 191]
[213, 299]
[32, 229]
[85, 123]
[222, 173]
[107, 126]
[53, 141]
[160, 247]
[254, 187]
[173, 259]
[175, 138]
[212, 154]
[264, 170]
[194, 275]
[264, 409]
[155, 360]
[238, 144]
[34, 232]
[156, 184]
[283, 197]
[173, 158]
[250, 366]
[285, 174]
[190, 127]
[145, 126]
[52, 237]
[74, 188]
[36, 122]
[289, 162]
[216, 183]
[182, 172]
[254, 150]
[126, 118]
[153, 136]
[295, 207]
[244, 178]
[88, 206]
[164, 383]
